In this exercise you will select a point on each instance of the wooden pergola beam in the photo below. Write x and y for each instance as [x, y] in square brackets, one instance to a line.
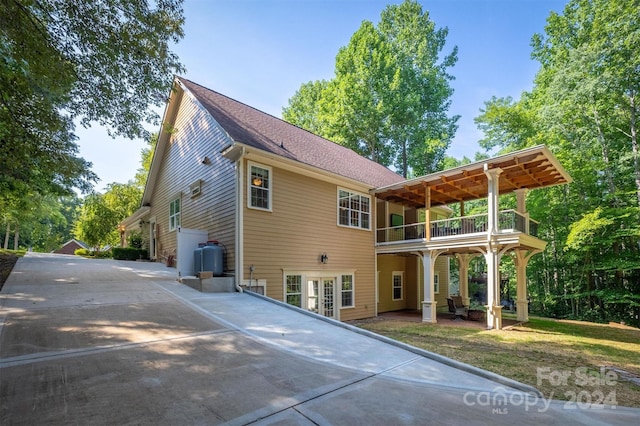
[456, 186]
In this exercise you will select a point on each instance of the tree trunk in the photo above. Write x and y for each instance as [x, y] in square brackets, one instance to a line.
[634, 143]
[405, 172]
[6, 236]
[605, 155]
[373, 146]
[16, 237]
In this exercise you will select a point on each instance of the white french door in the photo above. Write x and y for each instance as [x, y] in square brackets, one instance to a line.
[321, 296]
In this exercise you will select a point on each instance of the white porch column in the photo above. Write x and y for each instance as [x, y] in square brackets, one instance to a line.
[463, 274]
[492, 257]
[429, 303]
[521, 261]
[493, 176]
[494, 309]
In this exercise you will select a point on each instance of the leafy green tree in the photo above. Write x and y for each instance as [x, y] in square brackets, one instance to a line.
[101, 213]
[50, 225]
[390, 95]
[145, 161]
[302, 109]
[591, 71]
[353, 106]
[583, 106]
[62, 60]
[45, 222]
[419, 91]
[97, 224]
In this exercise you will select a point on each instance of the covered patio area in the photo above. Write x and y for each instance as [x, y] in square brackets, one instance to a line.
[492, 235]
[445, 319]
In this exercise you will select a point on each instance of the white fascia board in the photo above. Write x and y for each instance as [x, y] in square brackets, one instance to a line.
[135, 217]
[169, 117]
[234, 152]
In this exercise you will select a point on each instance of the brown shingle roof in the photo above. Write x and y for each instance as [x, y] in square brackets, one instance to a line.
[260, 130]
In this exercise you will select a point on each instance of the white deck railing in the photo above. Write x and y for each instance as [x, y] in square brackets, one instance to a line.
[508, 221]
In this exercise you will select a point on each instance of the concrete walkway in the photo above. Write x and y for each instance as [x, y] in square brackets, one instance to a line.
[108, 342]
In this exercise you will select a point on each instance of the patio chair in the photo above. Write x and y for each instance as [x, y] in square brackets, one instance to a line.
[458, 310]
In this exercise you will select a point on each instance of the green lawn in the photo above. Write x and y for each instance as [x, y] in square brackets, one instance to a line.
[567, 360]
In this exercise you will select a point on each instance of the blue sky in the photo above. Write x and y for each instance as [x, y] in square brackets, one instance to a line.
[260, 52]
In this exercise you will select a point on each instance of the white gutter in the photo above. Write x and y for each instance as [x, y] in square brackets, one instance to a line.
[239, 222]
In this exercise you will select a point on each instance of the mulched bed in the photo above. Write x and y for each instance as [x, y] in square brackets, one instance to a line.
[7, 261]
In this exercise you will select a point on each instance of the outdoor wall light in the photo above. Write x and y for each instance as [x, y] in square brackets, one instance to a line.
[206, 160]
[324, 258]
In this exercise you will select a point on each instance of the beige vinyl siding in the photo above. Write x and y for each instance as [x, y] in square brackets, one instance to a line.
[393, 208]
[387, 264]
[413, 282]
[195, 136]
[442, 267]
[301, 226]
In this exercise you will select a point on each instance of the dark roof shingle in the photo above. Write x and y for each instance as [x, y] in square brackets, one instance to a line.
[260, 130]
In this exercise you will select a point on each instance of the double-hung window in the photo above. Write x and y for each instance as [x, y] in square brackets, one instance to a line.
[354, 209]
[398, 285]
[259, 193]
[293, 290]
[174, 214]
[347, 291]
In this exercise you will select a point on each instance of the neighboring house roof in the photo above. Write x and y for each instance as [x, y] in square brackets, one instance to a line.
[70, 246]
[80, 243]
[249, 126]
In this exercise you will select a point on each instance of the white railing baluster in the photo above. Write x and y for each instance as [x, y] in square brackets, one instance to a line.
[509, 221]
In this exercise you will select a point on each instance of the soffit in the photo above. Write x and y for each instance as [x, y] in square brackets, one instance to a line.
[527, 169]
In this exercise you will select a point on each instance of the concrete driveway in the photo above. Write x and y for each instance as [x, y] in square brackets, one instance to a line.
[117, 343]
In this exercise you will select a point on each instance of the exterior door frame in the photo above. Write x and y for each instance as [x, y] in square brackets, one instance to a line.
[320, 298]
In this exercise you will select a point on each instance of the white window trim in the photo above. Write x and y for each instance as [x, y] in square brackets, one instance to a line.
[251, 164]
[353, 291]
[436, 283]
[350, 191]
[302, 289]
[393, 287]
[336, 275]
[256, 283]
[177, 223]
